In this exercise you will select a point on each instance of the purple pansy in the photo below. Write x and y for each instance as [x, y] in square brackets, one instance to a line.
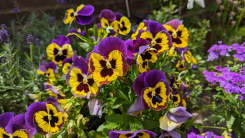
[72, 33]
[15, 126]
[132, 134]
[152, 89]
[108, 15]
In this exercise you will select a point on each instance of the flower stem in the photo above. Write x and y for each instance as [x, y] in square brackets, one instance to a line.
[213, 127]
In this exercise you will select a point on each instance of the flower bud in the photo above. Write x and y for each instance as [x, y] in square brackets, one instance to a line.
[235, 2]
[221, 7]
[218, 14]
[232, 13]
[218, 2]
[239, 9]
[233, 23]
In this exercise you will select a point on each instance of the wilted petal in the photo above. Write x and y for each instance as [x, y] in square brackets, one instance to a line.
[136, 106]
[166, 124]
[95, 107]
[178, 114]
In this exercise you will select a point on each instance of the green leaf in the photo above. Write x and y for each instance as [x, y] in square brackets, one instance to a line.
[167, 70]
[81, 133]
[106, 127]
[119, 101]
[94, 134]
[95, 30]
[62, 134]
[27, 57]
[114, 118]
[135, 125]
[230, 120]
[62, 78]
[84, 38]
[213, 118]
[150, 125]
[208, 89]
[122, 95]
[85, 46]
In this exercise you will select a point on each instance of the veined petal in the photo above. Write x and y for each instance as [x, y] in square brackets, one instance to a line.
[155, 27]
[146, 35]
[124, 26]
[20, 134]
[153, 77]
[3, 134]
[80, 63]
[175, 23]
[5, 118]
[69, 16]
[61, 40]
[140, 27]
[84, 20]
[104, 22]
[162, 42]
[118, 62]
[147, 53]
[108, 15]
[139, 85]
[144, 67]
[66, 67]
[52, 50]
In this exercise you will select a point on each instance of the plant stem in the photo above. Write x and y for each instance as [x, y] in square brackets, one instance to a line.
[213, 127]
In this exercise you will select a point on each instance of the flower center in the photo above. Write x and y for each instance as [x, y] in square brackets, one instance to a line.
[153, 92]
[49, 117]
[85, 79]
[121, 26]
[108, 65]
[174, 34]
[60, 52]
[153, 42]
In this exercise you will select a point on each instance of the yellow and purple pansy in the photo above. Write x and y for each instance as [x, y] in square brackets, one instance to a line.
[46, 117]
[108, 61]
[173, 118]
[170, 134]
[152, 89]
[53, 90]
[48, 70]
[158, 36]
[180, 65]
[124, 25]
[146, 54]
[107, 19]
[15, 126]
[78, 78]
[72, 33]
[142, 26]
[132, 134]
[59, 49]
[189, 58]
[66, 65]
[83, 15]
[178, 32]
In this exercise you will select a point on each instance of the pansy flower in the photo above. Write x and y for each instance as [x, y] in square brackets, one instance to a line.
[180, 65]
[35, 97]
[83, 15]
[79, 79]
[72, 33]
[132, 134]
[173, 118]
[152, 89]
[175, 97]
[170, 134]
[59, 49]
[46, 117]
[53, 90]
[142, 26]
[146, 54]
[189, 58]
[109, 60]
[108, 19]
[14, 126]
[66, 65]
[48, 70]
[178, 32]
[124, 25]
[158, 36]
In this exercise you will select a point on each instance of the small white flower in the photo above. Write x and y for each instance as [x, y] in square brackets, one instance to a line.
[199, 2]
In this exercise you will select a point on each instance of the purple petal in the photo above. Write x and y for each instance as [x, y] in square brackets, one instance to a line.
[155, 27]
[153, 77]
[68, 76]
[61, 40]
[116, 134]
[139, 85]
[152, 135]
[19, 123]
[135, 45]
[178, 114]
[108, 44]
[118, 16]
[80, 63]
[42, 66]
[136, 106]
[144, 48]
[52, 65]
[5, 118]
[174, 134]
[67, 60]
[87, 10]
[145, 105]
[98, 25]
[146, 22]
[130, 55]
[175, 23]
[31, 110]
[84, 20]
[108, 15]
[50, 99]
[9, 127]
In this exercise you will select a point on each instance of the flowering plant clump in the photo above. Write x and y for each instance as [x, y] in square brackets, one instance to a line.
[111, 81]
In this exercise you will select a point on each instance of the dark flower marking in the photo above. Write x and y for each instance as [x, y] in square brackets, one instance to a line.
[146, 55]
[106, 72]
[123, 28]
[53, 120]
[113, 63]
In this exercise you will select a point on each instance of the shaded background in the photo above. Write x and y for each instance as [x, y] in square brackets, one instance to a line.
[138, 8]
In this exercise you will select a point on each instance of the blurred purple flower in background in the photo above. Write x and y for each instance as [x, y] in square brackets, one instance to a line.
[29, 39]
[51, 21]
[15, 10]
[4, 36]
[37, 43]
[61, 2]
